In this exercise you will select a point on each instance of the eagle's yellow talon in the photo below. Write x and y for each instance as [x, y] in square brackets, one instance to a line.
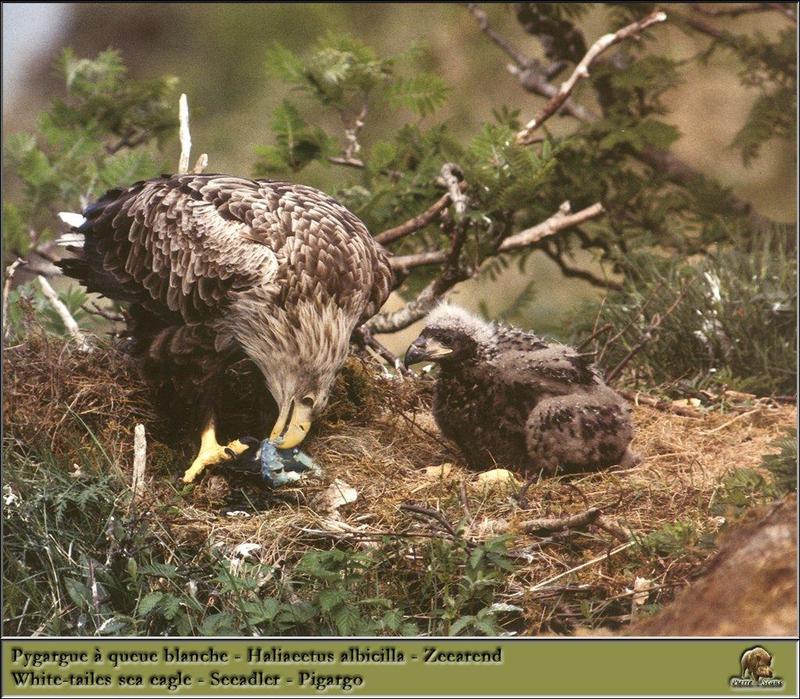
[211, 453]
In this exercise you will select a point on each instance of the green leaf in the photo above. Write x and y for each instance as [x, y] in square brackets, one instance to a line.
[461, 624]
[423, 93]
[149, 602]
[79, 593]
[330, 598]
[161, 570]
[347, 620]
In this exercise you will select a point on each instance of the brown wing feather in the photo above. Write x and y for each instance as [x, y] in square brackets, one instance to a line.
[185, 244]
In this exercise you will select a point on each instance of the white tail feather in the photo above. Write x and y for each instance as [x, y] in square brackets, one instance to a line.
[72, 238]
[71, 219]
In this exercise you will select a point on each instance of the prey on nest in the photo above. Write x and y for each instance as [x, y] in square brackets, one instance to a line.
[218, 269]
[506, 397]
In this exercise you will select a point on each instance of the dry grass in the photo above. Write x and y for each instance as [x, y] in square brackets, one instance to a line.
[378, 437]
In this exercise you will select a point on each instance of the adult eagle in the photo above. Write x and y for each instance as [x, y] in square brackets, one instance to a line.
[216, 267]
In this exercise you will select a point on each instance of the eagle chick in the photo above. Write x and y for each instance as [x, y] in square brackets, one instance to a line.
[506, 396]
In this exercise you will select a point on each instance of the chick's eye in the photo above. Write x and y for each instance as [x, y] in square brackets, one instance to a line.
[307, 401]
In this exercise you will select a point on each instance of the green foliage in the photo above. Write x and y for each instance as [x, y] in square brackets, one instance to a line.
[783, 465]
[769, 66]
[83, 144]
[296, 143]
[733, 325]
[741, 489]
[670, 540]
[66, 534]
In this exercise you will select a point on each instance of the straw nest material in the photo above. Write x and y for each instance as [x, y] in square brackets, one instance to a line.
[381, 452]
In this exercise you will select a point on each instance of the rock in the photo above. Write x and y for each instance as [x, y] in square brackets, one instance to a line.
[748, 589]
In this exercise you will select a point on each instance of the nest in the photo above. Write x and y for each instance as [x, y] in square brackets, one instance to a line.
[379, 439]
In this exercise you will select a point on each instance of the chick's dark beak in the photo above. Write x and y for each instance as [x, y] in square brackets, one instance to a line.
[425, 348]
[415, 353]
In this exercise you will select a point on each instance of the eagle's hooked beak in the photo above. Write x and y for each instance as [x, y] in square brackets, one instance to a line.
[293, 424]
[425, 348]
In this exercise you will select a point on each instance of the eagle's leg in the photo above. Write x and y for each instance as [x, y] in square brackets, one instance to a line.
[212, 452]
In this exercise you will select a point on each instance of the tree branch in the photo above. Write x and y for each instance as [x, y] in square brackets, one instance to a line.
[557, 222]
[185, 134]
[454, 273]
[66, 317]
[529, 237]
[10, 271]
[582, 71]
[416, 223]
[450, 176]
[483, 22]
[585, 275]
[533, 79]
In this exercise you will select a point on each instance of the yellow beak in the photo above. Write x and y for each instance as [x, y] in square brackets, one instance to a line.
[292, 426]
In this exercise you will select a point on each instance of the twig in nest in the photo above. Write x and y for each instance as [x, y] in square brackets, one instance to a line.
[139, 463]
[10, 271]
[431, 514]
[638, 398]
[66, 317]
[613, 528]
[554, 524]
[462, 496]
[599, 559]
[364, 337]
[582, 71]
[96, 310]
[185, 134]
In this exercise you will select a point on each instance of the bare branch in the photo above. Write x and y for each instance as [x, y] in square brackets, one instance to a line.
[201, 164]
[638, 398]
[139, 463]
[453, 185]
[524, 239]
[533, 79]
[10, 271]
[356, 162]
[582, 71]
[483, 22]
[554, 524]
[743, 8]
[404, 263]
[452, 273]
[584, 274]
[96, 310]
[557, 222]
[185, 134]
[416, 223]
[66, 317]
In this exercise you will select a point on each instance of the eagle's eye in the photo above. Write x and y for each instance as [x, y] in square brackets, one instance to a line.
[307, 401]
